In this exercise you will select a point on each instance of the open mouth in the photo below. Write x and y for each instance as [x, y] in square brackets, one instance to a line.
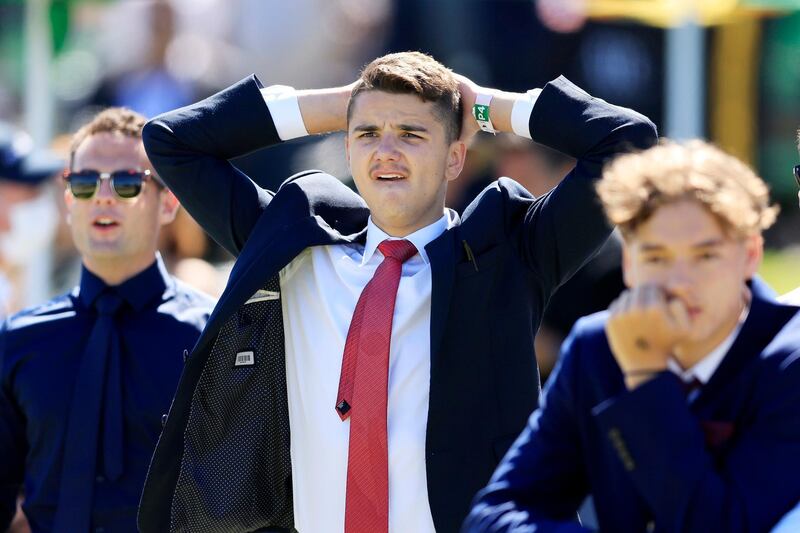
[105, 223]
[388, 174]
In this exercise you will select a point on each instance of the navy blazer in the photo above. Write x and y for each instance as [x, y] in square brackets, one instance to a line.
[726, 462]
[492, 275]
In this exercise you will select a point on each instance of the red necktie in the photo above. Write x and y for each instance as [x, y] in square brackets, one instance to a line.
[363, 393]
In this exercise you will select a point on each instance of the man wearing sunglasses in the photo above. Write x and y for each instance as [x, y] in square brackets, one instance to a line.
[86, 377]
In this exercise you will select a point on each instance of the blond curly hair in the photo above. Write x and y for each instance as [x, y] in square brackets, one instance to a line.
[634, 185]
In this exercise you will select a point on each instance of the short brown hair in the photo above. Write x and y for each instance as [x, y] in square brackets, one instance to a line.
[414, 73]
[633, 186]
[112, 120]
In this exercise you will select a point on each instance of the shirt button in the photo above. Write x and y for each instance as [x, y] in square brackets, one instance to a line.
[100, 479]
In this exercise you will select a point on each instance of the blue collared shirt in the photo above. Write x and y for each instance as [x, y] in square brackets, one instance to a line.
[40, 351]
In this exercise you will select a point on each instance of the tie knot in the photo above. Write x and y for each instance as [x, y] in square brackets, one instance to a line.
[402, 250]
[692, 386]
[108, 303]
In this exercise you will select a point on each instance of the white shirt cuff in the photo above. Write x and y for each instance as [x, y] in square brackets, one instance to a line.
[285, 111]
[521, 113]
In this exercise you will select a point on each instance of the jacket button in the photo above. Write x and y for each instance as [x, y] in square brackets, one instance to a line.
[163, 420]
[185, 356]
[100, 479]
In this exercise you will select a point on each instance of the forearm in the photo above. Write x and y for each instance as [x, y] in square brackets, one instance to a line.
[743, 486]
[589, 129]
[501, 513]
[324, 110]
[190, 149]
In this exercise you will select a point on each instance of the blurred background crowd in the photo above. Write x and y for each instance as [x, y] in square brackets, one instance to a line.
[725, 70]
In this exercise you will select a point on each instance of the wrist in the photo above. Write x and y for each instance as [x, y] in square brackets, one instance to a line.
[481, 112]
[283, 107]
[634, 377]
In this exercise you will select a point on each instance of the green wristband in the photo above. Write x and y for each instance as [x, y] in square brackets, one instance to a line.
[481, 112]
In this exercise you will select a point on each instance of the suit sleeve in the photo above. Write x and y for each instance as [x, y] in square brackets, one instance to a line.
[541, 481]
[12, 445]
[190, 148]
[749, 490]
[564, 227]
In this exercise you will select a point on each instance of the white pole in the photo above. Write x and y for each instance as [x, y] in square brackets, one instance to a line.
[684, 84]
[37, 96]
[39, 119]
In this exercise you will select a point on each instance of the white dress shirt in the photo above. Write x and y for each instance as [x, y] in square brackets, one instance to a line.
[320, 288]
[703, 369]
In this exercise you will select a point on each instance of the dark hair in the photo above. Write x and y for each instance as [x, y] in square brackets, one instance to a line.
[112, 120]
[414, 73]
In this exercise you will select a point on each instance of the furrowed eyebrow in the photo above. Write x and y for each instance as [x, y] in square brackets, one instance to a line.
[412, 127]
[365, 128]
[403, 127]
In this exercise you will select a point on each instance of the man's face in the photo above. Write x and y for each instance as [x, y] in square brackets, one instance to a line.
[107, 227]
[401, 159]
[683, 250]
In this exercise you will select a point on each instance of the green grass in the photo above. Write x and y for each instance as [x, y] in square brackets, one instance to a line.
[781, 269]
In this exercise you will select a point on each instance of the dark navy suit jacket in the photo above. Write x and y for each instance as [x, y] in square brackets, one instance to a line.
[726, 462]
[484, 310]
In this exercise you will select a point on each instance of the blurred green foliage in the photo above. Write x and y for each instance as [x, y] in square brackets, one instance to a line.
[781, 269]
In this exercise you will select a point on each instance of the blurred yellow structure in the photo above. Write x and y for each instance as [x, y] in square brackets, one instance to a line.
[668, 13]
[733, 60]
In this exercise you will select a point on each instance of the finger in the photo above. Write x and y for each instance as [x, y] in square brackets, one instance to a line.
[636, 296]
[624, 302]
[646, 297]
[679, 316]
[654, 297]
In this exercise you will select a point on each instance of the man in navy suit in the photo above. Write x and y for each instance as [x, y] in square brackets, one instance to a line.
[676, 409]
[371, 358]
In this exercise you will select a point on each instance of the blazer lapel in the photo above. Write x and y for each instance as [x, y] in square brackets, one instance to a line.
[441, 252]
[764, 320]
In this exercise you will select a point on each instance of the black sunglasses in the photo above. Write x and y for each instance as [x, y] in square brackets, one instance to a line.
[126, 184]
[797, 174]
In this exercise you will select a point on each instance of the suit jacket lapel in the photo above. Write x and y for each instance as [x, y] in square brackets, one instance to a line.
[269, 249]
[296, 218]
[442, 255]
[764, 320]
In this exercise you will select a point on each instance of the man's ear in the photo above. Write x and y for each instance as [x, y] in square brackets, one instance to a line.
[456, 156]
[69, 201]
[168, 207]
[754, 253]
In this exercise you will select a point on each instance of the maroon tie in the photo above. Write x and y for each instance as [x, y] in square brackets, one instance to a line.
[363, 395]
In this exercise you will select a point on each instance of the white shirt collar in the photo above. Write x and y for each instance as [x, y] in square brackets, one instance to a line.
[419, 238]
[705, 367]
